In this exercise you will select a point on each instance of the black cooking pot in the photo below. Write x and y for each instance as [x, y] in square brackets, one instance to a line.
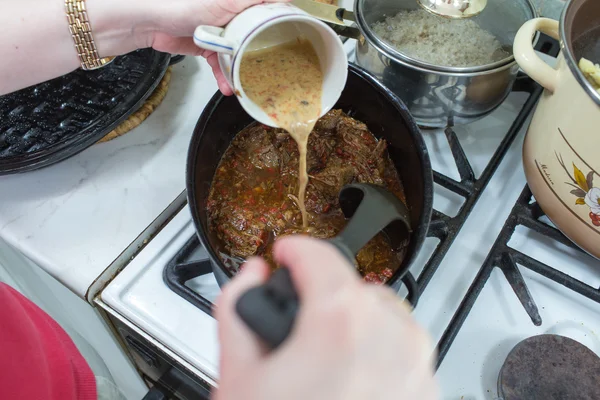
[363, 98]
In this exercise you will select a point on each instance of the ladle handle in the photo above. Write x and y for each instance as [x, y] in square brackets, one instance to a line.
[270, 310]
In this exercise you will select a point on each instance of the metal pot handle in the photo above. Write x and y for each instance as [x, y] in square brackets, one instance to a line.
[385, 60]
[333, 16]
[350, 32]
[526, 56]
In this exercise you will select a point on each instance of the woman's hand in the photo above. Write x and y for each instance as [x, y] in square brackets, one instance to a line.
[174, 22]
[351, 340]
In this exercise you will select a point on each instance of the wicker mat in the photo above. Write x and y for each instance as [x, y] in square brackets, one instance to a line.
[140, 115]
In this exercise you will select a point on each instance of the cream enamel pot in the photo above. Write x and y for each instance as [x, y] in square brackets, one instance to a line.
[561, 154]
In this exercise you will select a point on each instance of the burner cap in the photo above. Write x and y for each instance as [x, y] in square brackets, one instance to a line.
[550, 367]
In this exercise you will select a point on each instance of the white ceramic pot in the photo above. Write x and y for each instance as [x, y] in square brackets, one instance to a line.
[267, 25]
[561, 153]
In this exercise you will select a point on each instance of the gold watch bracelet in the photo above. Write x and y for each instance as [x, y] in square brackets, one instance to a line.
[81, 31]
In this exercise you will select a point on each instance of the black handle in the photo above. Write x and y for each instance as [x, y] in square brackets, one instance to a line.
[155, 394]
[176, 59]
[270, 310]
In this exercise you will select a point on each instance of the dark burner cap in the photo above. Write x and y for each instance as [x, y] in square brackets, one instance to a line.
[550, 367]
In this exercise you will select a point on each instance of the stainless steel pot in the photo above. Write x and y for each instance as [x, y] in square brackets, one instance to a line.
[436, 95]
[440, 98]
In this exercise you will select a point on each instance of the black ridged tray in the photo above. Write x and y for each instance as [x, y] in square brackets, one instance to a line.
[47, 123]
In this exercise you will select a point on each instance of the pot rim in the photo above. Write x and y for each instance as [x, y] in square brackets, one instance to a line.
[382, 47]
[569, 56]
[419, 235]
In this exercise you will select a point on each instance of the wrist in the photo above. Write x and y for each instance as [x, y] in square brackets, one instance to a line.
[118, 26]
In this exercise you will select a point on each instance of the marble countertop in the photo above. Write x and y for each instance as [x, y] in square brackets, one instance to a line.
[74, 219]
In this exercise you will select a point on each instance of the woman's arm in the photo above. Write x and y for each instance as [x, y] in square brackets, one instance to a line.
[35, 43]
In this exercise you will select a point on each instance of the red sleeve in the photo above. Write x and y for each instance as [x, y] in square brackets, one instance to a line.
[39, 360]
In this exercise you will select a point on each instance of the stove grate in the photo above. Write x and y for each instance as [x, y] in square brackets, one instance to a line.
[180, 270]
[526, 213]
[446, 228]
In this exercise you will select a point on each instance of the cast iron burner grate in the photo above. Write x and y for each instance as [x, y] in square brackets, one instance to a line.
[526, 213]
[442, 227]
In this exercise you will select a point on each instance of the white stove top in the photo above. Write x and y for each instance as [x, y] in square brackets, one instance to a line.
[140, 295]
[496, 323]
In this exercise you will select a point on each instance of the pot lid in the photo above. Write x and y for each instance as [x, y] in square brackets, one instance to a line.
[580, 37]
[410, 35]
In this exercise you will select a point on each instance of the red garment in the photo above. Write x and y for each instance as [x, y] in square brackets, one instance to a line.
[38, 361]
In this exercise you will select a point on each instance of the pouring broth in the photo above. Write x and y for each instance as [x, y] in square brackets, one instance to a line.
[286, 82]
[261, 189]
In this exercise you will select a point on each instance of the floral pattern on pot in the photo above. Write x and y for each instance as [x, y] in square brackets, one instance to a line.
[584, 190]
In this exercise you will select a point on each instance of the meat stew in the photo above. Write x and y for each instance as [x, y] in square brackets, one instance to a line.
[252, 197]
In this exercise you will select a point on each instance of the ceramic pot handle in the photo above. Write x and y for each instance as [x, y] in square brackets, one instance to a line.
[209, 38]
[526, 56]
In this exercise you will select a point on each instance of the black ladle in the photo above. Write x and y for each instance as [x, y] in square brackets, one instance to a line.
[270, 310]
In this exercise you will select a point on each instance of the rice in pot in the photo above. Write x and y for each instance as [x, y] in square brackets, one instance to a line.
[440, 41]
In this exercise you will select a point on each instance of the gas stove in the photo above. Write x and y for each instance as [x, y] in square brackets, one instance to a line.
[493, 272]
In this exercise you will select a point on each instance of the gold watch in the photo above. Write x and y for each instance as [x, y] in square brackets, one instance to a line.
[81, 31]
